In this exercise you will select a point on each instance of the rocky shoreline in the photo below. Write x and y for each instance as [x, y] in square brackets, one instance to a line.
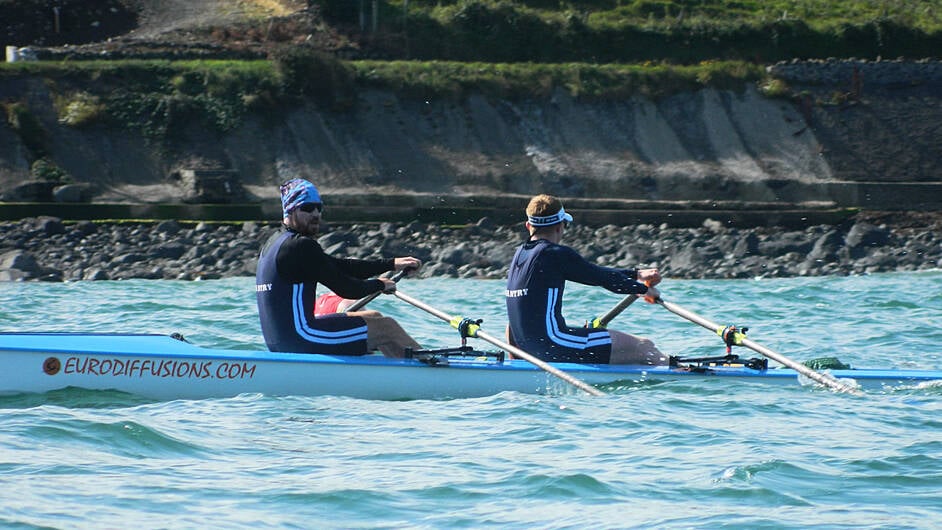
[46, 249]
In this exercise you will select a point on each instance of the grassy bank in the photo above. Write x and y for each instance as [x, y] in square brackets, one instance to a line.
[679, 31]
[527, 80]
[505, 31]
[156, 97]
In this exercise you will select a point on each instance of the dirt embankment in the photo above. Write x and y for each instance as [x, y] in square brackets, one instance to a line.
[707, 145]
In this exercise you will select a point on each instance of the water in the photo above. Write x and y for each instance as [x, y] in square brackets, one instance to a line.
[698, 454]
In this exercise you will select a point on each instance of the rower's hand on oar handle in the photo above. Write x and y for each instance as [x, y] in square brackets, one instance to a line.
[649, 277]
[653, 295]
[389, 285]
[409, 264]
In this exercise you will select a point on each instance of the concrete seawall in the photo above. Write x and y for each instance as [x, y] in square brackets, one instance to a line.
[506, 209]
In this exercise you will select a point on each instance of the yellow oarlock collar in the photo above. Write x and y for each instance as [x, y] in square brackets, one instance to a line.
[465, 326]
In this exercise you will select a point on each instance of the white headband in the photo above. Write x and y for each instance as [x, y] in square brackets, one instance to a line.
[550, 220]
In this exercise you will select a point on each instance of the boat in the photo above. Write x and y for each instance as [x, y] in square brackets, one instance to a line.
[167, 367]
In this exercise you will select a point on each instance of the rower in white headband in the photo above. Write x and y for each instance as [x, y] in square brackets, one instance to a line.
[549, 220]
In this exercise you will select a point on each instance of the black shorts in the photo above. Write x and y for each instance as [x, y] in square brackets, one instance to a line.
[335, 334]
[548, 351]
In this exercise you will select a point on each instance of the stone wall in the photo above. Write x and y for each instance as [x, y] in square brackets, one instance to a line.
[841, 72]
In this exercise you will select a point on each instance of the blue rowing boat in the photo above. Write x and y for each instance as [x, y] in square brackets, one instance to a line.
[165, 367]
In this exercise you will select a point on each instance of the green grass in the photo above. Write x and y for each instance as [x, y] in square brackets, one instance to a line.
[679, 31]
[589, 82]
[925, 15]
[236, 81]
[220, 76]
[154, 97]
[160, 98]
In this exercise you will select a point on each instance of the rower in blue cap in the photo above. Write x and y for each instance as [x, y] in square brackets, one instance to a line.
[290, 266]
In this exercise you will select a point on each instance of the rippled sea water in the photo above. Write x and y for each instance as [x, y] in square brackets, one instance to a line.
[689, 454]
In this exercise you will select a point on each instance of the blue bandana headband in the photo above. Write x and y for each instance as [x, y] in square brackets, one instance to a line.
[550, 220]
[296, 192]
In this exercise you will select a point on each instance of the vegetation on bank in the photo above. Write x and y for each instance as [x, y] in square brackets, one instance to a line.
[594, 50]
[159, 98]
[588, 82]
[583, 31]
[152, 97]
[679, 31]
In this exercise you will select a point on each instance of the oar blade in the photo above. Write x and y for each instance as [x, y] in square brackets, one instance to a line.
[824, 379]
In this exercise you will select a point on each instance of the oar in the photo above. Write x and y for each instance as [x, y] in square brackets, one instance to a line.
[474, 330]
[603, 321]
[824, 379]
[355, 306]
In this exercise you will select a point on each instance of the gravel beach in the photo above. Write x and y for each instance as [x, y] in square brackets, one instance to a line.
[46, 249]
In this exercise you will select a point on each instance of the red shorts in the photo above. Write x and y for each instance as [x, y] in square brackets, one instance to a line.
[327, 304]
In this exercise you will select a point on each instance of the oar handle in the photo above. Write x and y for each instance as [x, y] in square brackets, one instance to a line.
[824, 379]
[356, 306]
[615, 311]
[503, 345]
[603, 321]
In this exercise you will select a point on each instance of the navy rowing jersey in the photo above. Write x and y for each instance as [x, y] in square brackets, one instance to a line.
[289, 268]
[535, 285]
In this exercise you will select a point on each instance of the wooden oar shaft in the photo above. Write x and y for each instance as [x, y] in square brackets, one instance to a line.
[356, 306]
[615, 311]
[503, 345]
[775, 356]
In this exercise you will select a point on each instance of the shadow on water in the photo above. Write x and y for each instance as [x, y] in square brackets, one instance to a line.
[74, 398]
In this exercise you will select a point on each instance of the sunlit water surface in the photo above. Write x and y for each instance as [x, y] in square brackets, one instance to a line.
[697, 454]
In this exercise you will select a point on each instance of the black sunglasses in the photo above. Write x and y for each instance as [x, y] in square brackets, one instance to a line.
[309, 207]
